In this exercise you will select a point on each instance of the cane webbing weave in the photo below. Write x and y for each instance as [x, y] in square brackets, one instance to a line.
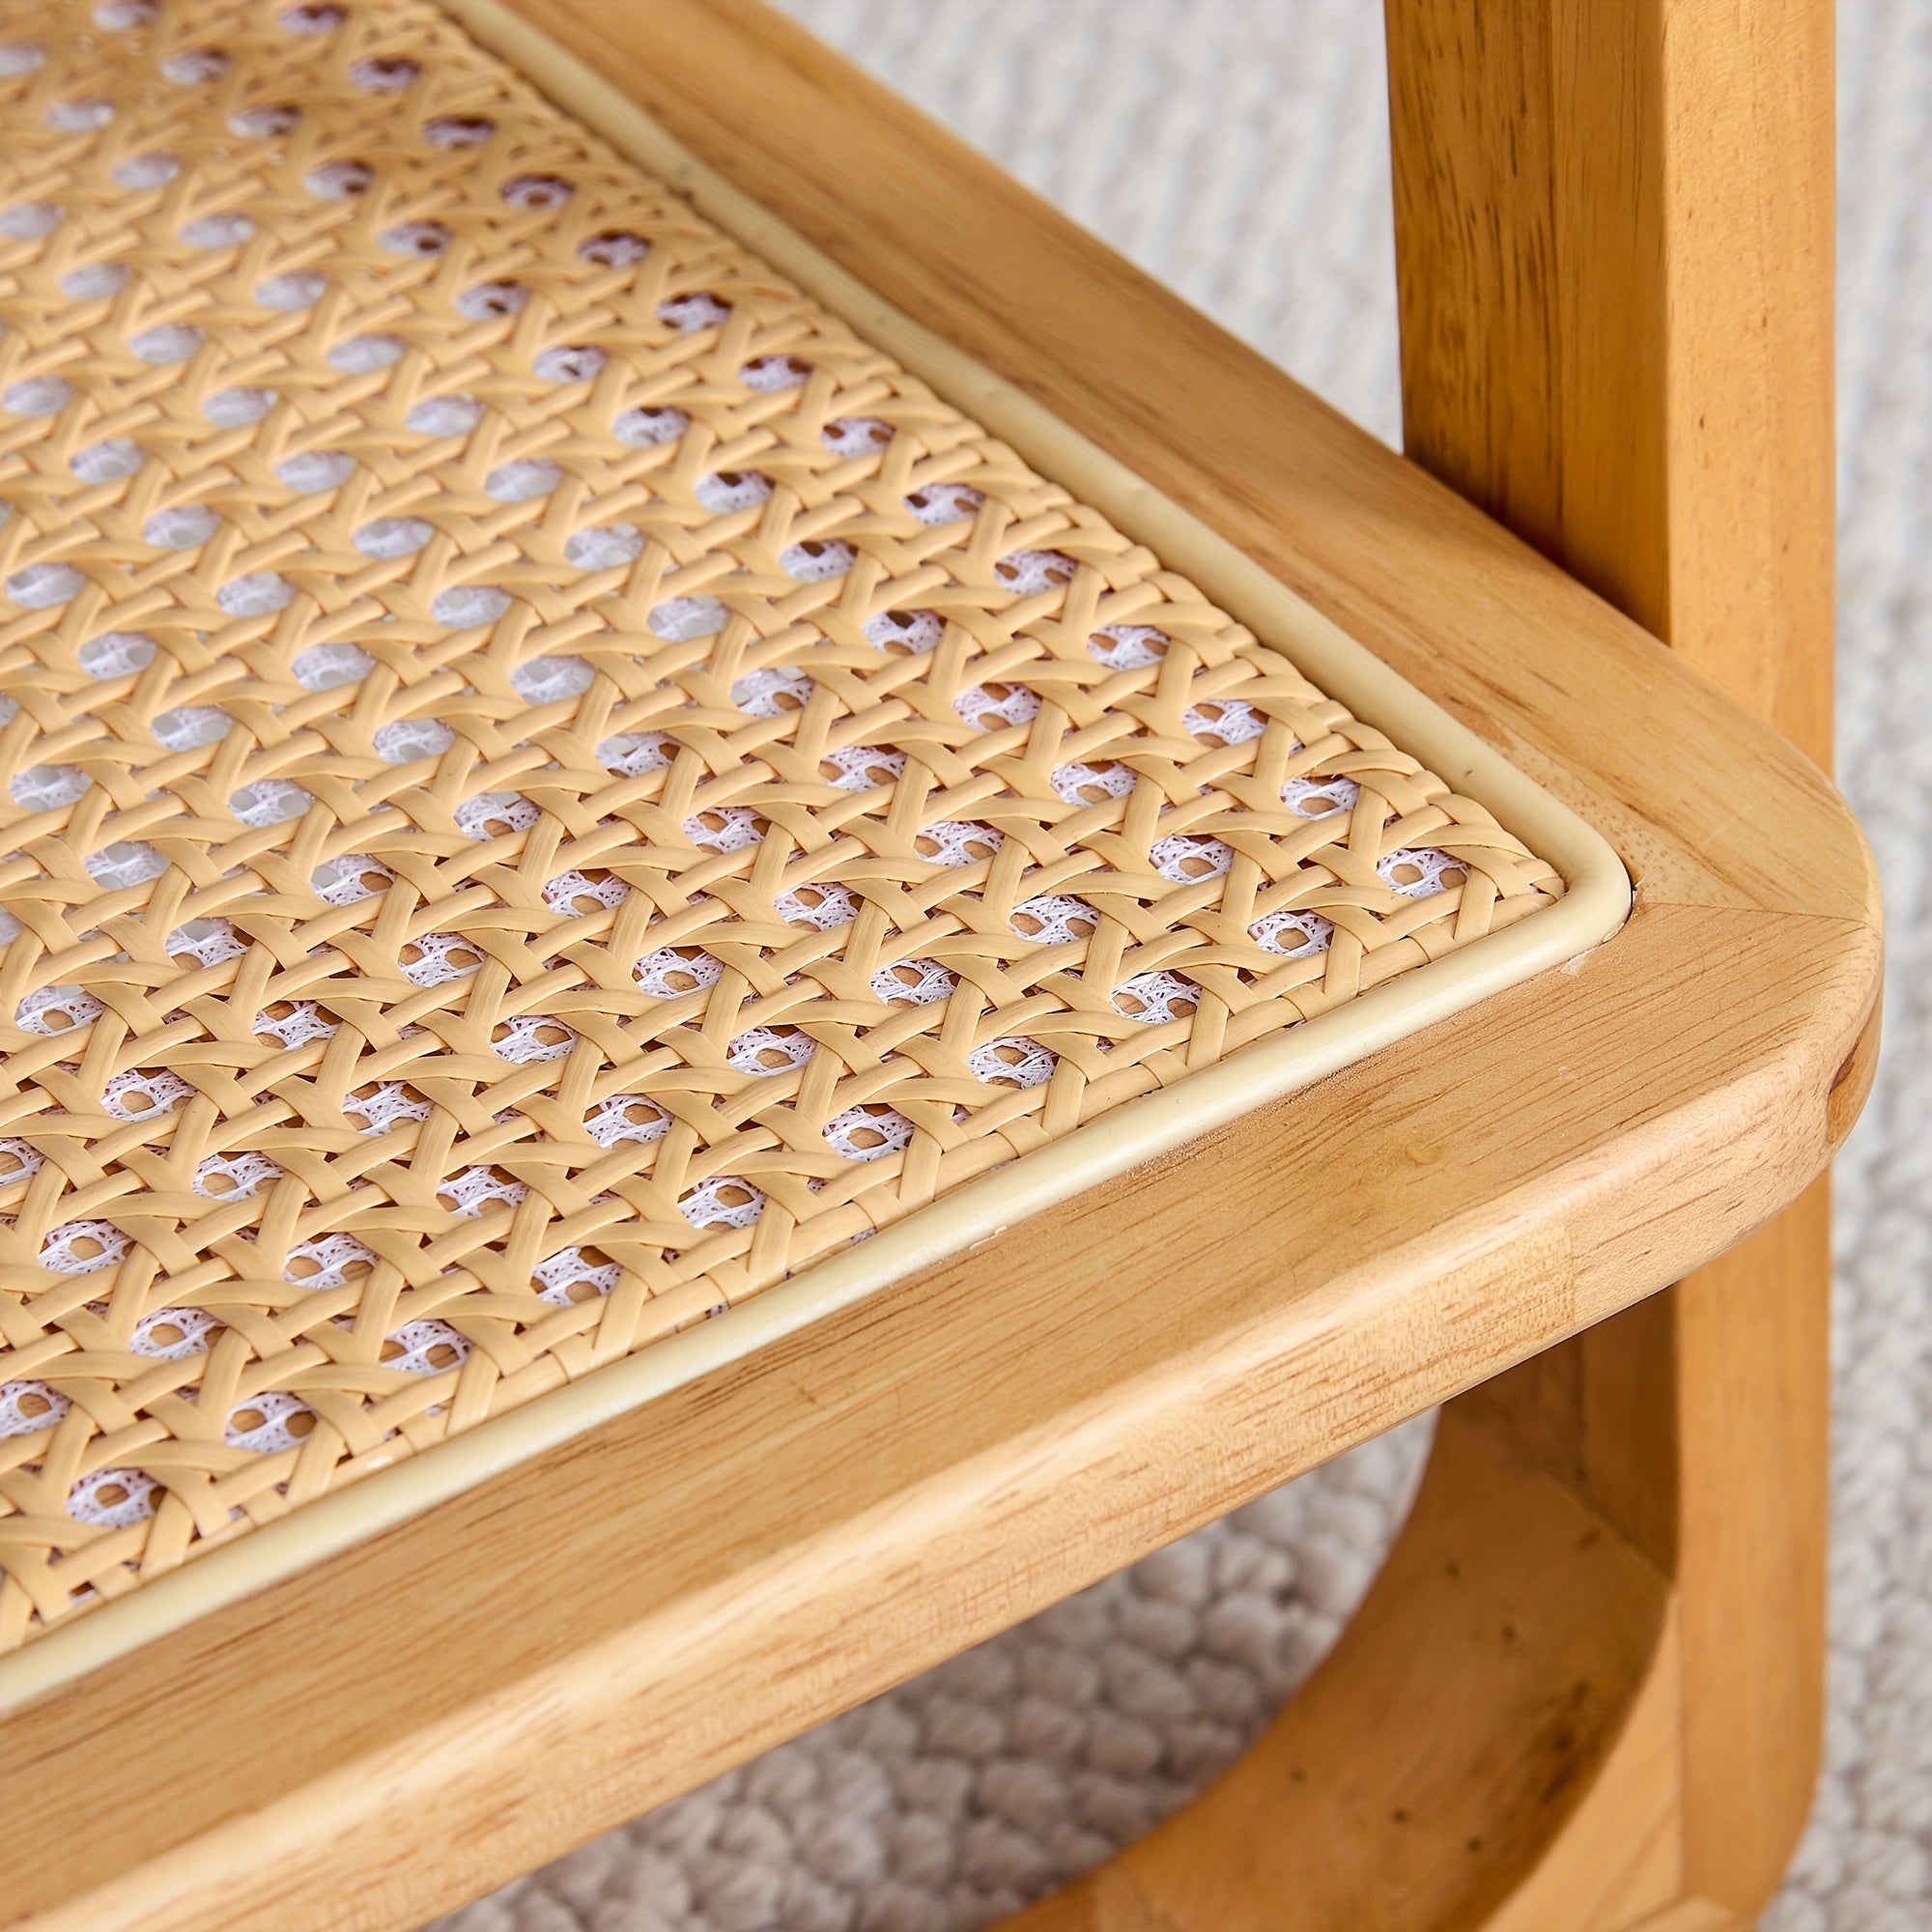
[547, 784]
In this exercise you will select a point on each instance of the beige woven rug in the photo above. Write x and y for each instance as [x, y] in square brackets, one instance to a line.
[1237, 148]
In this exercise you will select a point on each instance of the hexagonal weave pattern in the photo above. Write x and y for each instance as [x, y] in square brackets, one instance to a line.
[546, 784]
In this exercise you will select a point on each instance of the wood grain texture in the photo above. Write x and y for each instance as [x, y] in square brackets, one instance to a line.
[1456, 1781]
[800, 1530]
[1629, 359]
[1613, 232]
[1616, 279]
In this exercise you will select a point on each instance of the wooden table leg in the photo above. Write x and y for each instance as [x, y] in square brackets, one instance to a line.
[1587, 1692]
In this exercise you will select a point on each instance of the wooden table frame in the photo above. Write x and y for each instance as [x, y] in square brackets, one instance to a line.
[1584, 1693]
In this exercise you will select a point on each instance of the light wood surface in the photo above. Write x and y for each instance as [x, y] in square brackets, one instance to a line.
[1615, 267]
[1616, 272]
[1458, 1781]
[437, 1711]
[1654, 408]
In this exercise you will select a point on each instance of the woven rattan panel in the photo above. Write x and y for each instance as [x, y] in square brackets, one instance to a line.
[547, 784]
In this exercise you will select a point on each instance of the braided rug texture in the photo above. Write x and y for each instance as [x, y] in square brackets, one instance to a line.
[1238, 150]
[548, 786]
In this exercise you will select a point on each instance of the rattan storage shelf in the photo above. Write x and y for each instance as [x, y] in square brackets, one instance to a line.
[554, 785]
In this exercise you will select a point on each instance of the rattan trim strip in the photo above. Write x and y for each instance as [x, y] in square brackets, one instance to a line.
[1594, 901]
